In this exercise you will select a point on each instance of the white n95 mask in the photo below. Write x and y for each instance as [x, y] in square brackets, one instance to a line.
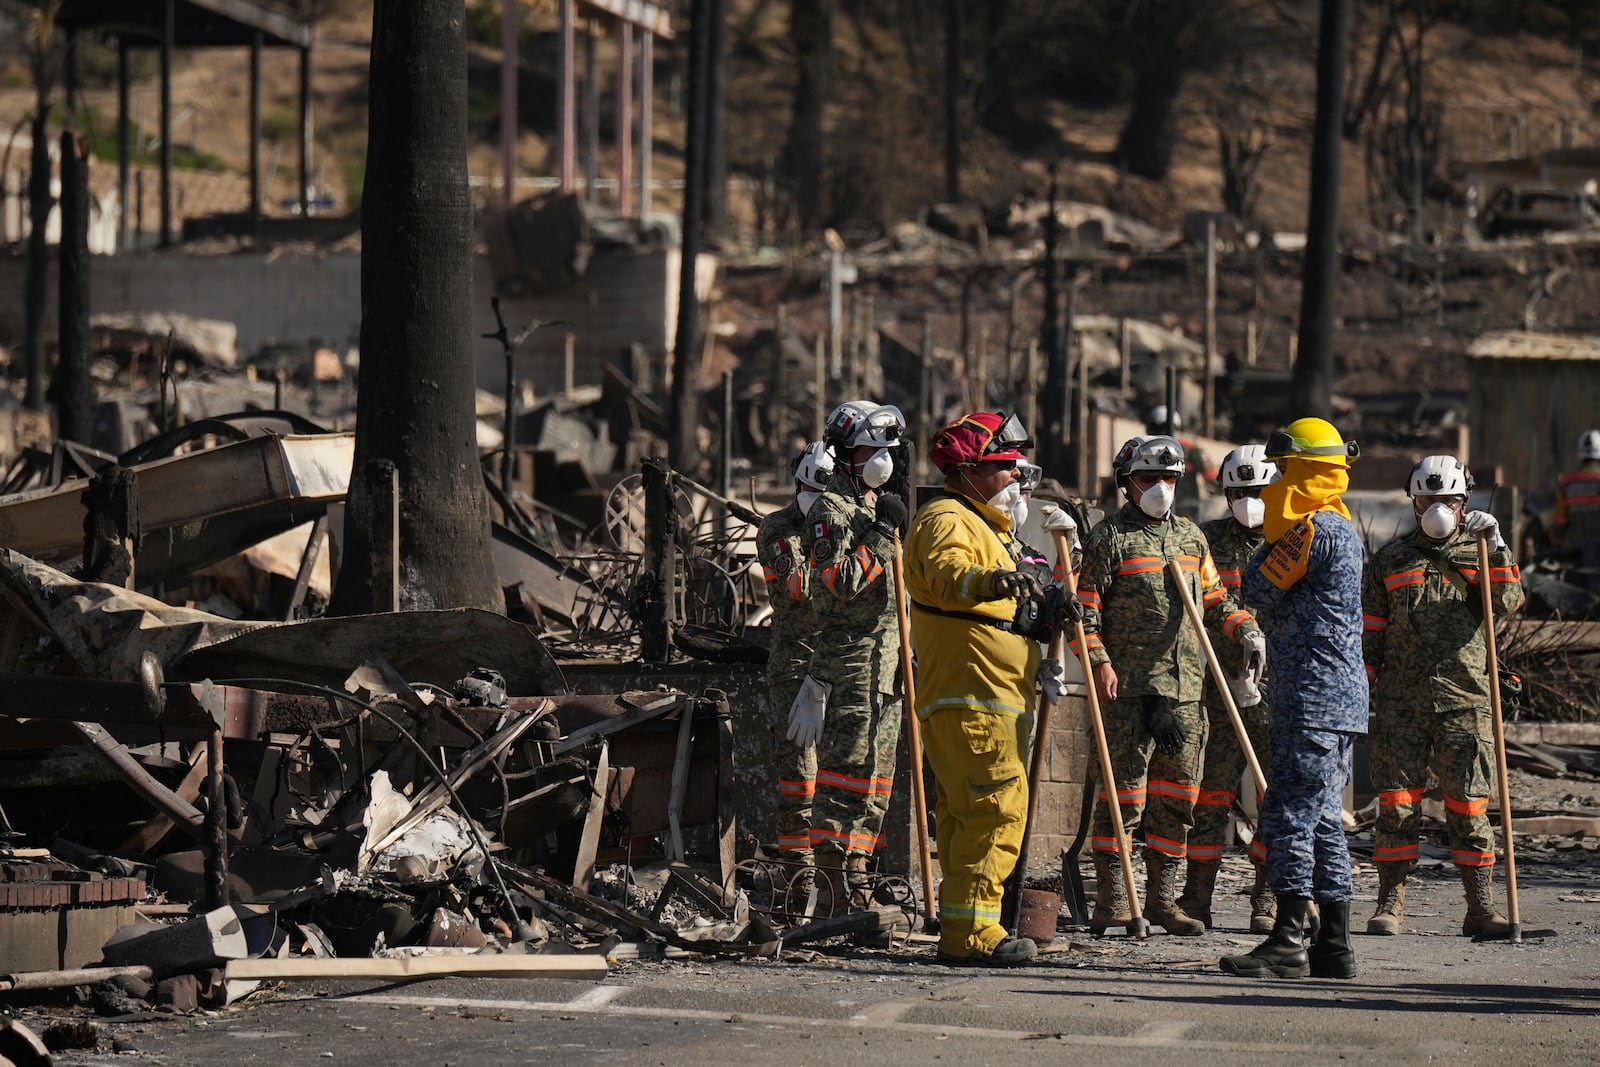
[876, 470]
[1439, 521]
[1006, 499]
[1249, 511]
[1157, 500]
[805, 499]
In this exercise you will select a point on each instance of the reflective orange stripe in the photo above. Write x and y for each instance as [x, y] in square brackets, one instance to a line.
[795, 842]
[1466, 807]
[1108, 844]
[1230, 577]
[1189, 563]
[1215, 798]
[850, 842]
[1390, 798]
[1177, 790]
[768, 573]
[829, 574]
[1205, 853]
[1398, 852]
[1088, 599]
[1125, 796]
[1140, 565]
[869, 563]
[1405, 578]
[1094, 643]
[797, 789]
[1471, 858]
[1215, 596]
[1375, 623]
[1505, 574]
[1258, 850]
[865, 786]
[1232, 622]
[1372, 674]
[1165, 845]
[797, 588]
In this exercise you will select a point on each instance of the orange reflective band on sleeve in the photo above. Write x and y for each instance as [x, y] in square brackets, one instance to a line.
[1188, 563]
[1230, 578]
[1466, 807]
[1512, 573]
[797, 585]
[1088, 598]
[1214, 596]
[768, 573]
[1139, 565]
[1390, 798]
[1405, 578]
[1232, 622]
[869, 563]
[1374, 623]
[829, 574]
[1094, 643]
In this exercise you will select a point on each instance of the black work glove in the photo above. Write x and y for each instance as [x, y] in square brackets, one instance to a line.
[1059, 610]
[1163, 725]
[1015, 584]
[892, 512]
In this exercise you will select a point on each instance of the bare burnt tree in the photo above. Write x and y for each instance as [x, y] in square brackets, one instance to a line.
[1370, 91]
[811, 24]
[1311, 387]
[1163, 29]
[44, 63]
[1242, 143]
[415, 404]
[1404, 153]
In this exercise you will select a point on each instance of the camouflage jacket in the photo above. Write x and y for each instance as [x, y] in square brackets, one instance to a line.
[1132, 616]
[1305, 589]
[849, 563]
[794, 619]
[1422, 630]
[1232, 545]
[1577, 517]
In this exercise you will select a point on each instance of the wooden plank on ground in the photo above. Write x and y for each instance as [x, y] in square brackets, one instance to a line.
[506, 965]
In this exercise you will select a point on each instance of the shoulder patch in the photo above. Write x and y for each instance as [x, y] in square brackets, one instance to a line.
[822, 549]
[1286, 563]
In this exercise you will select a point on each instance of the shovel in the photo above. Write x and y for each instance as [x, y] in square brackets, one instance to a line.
[919, 799]
[1502, 775]
[1139, 926]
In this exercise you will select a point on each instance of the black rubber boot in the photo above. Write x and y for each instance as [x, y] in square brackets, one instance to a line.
[1283, 955]
[1332, 956]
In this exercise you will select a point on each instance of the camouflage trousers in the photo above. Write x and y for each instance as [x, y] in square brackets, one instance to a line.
[1154, 789]
[1459, 746]
[1301, 813]
[795, 769]
[1225, 765]
[855, 758]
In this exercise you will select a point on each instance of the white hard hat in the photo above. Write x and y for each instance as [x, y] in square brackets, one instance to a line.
[1248, 465]
[814, 466]
[1439, 476]
[861, 422]
[1589, 445]
[1157, 453]
[1156, 422]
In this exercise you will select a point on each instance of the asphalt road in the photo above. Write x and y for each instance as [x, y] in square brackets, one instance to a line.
[1427, 995]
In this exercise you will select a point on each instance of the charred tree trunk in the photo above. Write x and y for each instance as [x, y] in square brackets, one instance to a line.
[1145, 146]
[34, 291]
[415, 405]
[683, 439]
[1311, 389]
[953, 89]
[716, 179]
[811, 34]
[70, 388]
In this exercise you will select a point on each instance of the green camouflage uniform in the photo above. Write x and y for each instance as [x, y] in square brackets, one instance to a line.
[856, 649]
[1232, 545]
[794, 626]
[1422, 640]
[1135, 621]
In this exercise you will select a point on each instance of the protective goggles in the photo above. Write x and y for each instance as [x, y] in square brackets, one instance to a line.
[1029, 475]
[886, 424]
[1281, 443]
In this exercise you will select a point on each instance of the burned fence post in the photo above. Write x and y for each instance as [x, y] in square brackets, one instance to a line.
[111, 527]
[653, 596]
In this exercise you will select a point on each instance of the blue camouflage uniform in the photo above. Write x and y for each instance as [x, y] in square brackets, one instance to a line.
[1317, 689]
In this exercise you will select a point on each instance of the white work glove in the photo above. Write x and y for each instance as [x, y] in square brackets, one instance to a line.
[805, 714]
[1255, 657]
[1481, 522]
[1052, 680]
[1053, 518]
[1246, 693]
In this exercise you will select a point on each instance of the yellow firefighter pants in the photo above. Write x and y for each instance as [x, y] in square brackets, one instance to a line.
[977, 759]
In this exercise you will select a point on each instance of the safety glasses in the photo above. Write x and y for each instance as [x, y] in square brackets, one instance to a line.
[1281, 443]
[1029, 475]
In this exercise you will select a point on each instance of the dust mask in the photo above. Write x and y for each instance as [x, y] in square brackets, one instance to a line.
[1006, 499]
[805, 498]
[1157, 500]
[1249, 511]
[1439, 521]
[876, 470]
[1019, 515]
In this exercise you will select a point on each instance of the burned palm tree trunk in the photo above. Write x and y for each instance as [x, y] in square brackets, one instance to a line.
[35, 287]
[70, 388]
[1311, 389]
[415, 405]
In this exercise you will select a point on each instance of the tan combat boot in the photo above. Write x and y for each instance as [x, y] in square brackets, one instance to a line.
[1391, 898]
[1110, 895]
[1482, 918]
[1263, 903]
[1161, 897]
[833, 894]
[1199, 883]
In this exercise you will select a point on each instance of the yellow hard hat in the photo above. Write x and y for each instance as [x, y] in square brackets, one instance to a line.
[1313, 439]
